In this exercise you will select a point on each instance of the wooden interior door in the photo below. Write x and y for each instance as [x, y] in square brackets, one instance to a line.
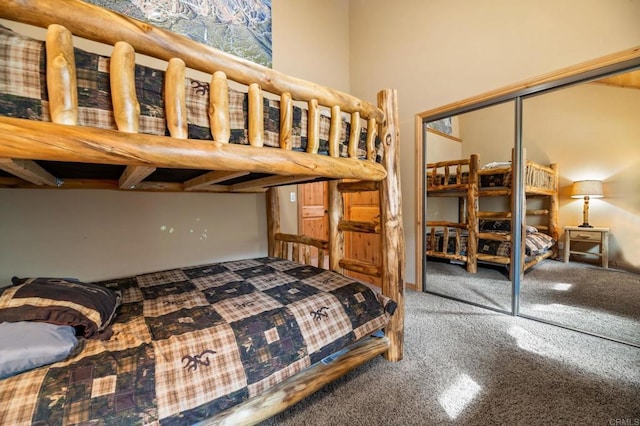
[363, 206]
[313, 218]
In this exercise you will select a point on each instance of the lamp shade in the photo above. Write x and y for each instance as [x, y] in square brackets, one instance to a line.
[591, 188]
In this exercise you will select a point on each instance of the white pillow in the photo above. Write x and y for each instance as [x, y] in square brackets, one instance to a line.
[26, 345]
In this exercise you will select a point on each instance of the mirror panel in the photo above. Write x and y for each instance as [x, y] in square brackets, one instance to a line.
[592, 130]
[488, 133]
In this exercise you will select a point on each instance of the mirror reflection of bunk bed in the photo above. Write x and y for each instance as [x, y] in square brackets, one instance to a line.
[233, 342]
[485, 236]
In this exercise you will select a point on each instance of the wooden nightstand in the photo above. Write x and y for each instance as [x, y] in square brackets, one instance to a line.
[595, 236]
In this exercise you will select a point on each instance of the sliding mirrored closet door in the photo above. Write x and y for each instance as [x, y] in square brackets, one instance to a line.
[467, 156]
[592, 130]
[575, 137]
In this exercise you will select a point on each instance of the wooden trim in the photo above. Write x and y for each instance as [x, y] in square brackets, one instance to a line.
[631, 54]
[443, 134]
[419, 194]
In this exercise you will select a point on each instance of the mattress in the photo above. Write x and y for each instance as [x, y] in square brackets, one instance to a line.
[188, 343]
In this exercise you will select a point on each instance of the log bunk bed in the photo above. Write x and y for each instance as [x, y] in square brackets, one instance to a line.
[139, 372]
[485, 236]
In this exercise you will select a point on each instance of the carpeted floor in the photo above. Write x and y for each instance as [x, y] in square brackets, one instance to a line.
[578, 295]
[468, 365]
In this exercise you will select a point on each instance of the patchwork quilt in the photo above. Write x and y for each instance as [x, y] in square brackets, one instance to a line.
[188, 343]
[536, 243]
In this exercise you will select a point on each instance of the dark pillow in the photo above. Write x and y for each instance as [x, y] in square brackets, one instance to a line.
[491, 225]
[89, 308]
[26, 345]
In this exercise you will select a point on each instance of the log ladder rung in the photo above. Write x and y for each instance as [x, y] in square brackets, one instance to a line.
[359, 226]
[361, 267]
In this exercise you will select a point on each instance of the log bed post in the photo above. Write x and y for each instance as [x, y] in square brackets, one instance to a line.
[393, 250]
[472, 215]
[273, 221]
[554, 207]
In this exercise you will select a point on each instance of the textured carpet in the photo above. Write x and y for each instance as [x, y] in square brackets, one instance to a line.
[468, 365]
[578, 295]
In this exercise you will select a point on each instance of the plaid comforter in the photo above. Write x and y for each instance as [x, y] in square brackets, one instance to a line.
[536, 243]
[23, 94]
[191, 342]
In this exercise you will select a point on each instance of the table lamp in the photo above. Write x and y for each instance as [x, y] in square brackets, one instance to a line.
[586, 189]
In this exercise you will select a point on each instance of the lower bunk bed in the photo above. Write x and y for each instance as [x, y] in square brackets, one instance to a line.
[177, 346]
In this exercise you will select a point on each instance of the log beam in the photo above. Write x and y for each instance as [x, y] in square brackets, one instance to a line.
[56, 142]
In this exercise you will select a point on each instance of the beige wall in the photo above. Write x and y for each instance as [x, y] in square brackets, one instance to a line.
[440, 51]
[102, 234]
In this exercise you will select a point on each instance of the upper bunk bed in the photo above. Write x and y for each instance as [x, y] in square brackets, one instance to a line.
[74, 119]
[486, 235]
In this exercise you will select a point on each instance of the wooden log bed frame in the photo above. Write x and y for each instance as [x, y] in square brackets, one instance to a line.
[463, 179]
[28, 146]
